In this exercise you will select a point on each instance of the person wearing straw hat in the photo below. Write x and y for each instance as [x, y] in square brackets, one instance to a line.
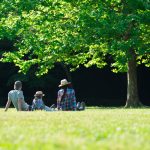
[17, 98]
[38, 103]
[66, 99]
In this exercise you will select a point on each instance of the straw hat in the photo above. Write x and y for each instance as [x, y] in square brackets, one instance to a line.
[39, 93]
[64, 82]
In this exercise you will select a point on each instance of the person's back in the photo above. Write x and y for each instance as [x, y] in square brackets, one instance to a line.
[17, 98]
[66, 99]
[38, 104]
[14, 96]
[69, 100]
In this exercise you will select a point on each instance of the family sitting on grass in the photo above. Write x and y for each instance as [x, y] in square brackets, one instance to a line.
[66, 100]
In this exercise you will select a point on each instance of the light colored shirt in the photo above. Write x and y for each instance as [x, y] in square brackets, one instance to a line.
[38, 104]
[14, 96]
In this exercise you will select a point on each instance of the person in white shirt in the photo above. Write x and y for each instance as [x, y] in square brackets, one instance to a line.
[17, 98]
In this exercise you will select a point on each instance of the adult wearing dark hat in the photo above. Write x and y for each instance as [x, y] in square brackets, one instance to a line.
[17, 98]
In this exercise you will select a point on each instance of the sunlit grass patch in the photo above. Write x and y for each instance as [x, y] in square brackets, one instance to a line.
[90, 129]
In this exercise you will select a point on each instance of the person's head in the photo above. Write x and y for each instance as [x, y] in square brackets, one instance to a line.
[18, 85]
[39, 94]
[64, 83]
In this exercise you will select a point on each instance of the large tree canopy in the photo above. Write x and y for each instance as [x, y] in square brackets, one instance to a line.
[45, 32]
[77, 32]
[38, 30]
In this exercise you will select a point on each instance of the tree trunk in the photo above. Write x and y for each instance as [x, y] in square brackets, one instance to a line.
[67, 71]
[132, 88]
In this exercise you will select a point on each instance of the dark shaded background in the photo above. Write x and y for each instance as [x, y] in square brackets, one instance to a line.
[97, 87]
[102, 87]
[94, 86]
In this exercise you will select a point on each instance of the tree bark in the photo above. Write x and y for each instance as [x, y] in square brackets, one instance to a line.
[132, 88]
[67, 71]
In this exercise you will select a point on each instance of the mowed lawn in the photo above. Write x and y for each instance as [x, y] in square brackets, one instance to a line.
[92, 129]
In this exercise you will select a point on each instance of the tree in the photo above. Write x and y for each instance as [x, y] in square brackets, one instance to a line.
[122, 28]
[78, 32]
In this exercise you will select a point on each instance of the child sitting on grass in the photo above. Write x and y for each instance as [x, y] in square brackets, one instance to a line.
[38, 103]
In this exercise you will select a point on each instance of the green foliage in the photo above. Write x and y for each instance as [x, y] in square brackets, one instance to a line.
[90, 129]
[75, 32]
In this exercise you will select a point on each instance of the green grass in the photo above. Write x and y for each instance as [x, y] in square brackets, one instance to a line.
[92, 129]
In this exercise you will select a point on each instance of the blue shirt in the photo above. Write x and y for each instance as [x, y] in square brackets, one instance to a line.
[38, 104]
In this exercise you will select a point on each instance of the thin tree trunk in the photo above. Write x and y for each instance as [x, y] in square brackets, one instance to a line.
[67, 71]
[132, 88]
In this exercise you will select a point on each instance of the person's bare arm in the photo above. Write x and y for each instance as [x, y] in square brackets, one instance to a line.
[7, 105]
[19, 104]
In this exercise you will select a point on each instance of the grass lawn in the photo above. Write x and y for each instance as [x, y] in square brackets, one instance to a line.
[92, 129]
